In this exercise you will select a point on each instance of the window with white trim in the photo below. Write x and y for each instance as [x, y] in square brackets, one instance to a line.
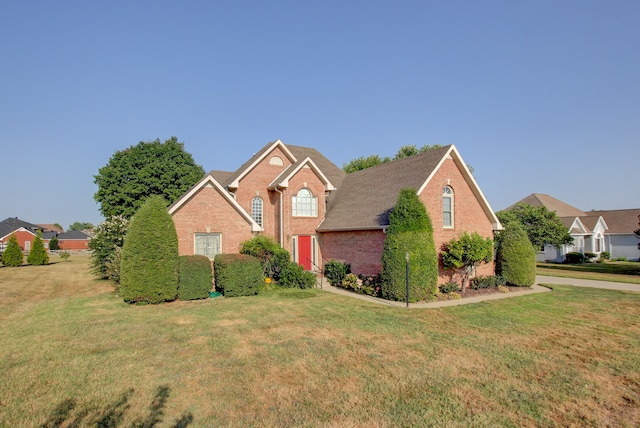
[256, 210]
[207, 244]
[304, 204]
[447, 206]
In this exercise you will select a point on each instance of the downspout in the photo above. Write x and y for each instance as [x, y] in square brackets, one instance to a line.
[281, 218]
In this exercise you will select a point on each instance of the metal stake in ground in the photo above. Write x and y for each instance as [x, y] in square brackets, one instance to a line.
[407, 277]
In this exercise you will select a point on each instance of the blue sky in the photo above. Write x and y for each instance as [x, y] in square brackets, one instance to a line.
[538, 96]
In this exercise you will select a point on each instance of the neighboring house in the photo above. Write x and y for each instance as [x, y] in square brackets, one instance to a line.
[592, 231]
[317, 212]
[25, 233]
[73, 240]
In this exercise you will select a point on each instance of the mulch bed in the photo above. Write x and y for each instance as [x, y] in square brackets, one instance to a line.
[482, 292]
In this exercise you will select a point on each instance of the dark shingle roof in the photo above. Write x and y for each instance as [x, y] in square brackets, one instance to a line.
[73, 234]
[366, 197]
[619, 221]
[14, 223]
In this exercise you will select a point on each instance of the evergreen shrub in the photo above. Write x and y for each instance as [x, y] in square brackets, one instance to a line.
[237, 274]
[12, 255]
[410, 231]
[335, 271]
[54, 244]
[149, 259]
[38, 255]
[194, 277]
[272, 256]
[515, 256]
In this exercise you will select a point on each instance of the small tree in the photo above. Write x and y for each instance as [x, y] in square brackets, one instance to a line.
[637, 232]
[38, 255]
[465, 254]
[149, 263]
[12, 255]
[515, 256]
[53, 243]
[410, 232]
[80, 226]
[109, 236]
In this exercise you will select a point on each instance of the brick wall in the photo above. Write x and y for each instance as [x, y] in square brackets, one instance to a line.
[209, 212]
[363, 249]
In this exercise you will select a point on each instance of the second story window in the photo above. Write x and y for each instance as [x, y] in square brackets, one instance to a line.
[304, 204]
[256, 210]
[447, 206]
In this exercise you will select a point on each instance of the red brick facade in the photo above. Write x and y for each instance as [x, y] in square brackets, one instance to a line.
[207, 209]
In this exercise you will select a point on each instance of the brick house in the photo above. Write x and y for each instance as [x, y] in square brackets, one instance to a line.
[25, 233]
[317, 212]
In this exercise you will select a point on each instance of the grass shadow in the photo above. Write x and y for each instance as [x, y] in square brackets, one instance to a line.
[67, 413]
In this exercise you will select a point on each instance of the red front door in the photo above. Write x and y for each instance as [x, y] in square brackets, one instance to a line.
[304, 252]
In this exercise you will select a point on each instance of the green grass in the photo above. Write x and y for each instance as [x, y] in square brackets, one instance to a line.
[74, 354]
[628, 272]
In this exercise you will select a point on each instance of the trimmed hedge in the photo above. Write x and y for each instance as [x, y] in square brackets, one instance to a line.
[237, 274]
[574, 258]
[194, 278]
[515, 256]
[410, 231]
[149, 262]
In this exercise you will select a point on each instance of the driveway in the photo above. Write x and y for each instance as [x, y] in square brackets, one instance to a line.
[609, 285]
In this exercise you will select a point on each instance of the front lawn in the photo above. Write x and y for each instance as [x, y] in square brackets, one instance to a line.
[73, 354]
[628, 272]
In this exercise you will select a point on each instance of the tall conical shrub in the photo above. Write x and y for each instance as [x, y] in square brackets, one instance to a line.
[12, 255]
[410, 231]
[149, 264]
[515, 256]
[38, 254]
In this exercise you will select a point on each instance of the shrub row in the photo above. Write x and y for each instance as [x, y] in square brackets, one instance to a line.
[194, 277]
[237, 274]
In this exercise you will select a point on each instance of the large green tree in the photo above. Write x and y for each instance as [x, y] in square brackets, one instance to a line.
[373, 160]
[149, 168]
[149, 263]
[541, 225]
[410, 232]
[79, 225]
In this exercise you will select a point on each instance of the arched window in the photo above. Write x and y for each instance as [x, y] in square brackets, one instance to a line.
[304, 204]
[447, 206]
[256, 210]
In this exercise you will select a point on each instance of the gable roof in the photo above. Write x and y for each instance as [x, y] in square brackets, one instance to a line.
[209, 180]
[233, 181]
[562, 209]
[619, 221]
[366, 197]
[12, 224]
[51, 228]
[575, 226]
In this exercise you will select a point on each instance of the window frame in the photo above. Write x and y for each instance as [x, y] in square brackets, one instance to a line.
[448, 194]
[309, 203]
[196, 235]
[255, 215]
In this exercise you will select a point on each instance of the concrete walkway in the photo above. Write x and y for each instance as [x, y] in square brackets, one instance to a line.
[608, 285]
[495, 296]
